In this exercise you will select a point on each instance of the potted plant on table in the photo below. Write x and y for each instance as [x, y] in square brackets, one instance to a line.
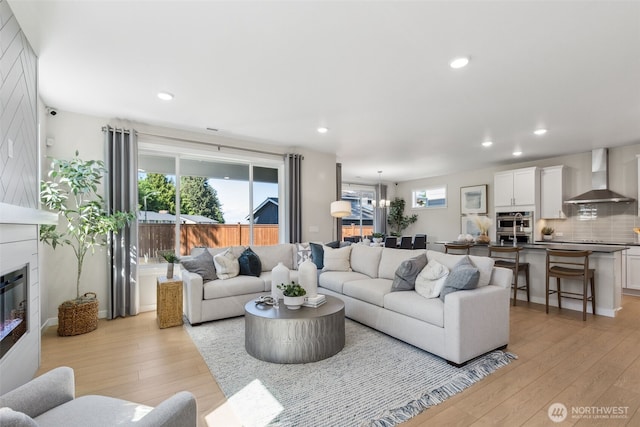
[547, 233]
[172, 259]
[377, 237]
[72, 193]
[293, 295]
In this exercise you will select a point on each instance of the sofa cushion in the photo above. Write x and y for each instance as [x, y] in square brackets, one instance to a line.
[334, 280]
[337, 259]
[405, 276]
[239, 285]
[431, 279]
[317, 255]
[482, 263]
[271, 255]
[368, 290]
[365, 259]
[463, 276]
[11, 418]
[303, 253]
[250, 264]
[413, 305]
[201, 264]
[226, 265]
[391, 259]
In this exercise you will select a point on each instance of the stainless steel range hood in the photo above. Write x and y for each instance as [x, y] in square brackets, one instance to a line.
[600, 192]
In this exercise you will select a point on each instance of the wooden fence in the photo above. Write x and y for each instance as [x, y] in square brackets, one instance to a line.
[156, 238]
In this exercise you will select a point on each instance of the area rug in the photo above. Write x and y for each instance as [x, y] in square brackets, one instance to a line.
[375, 380]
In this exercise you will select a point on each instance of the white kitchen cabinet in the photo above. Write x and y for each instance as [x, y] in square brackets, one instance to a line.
[552, 192]
[516, 190]
[633, 267]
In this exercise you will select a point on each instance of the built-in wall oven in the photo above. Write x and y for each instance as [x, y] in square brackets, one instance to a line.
[523, 222]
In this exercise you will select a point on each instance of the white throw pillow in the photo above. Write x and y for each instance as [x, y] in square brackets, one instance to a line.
[227, 265]
[431, 279]
[337, 259]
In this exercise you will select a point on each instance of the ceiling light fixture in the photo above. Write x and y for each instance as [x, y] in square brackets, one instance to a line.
[540, 132]
[323, 130]
[380, 203]
[517, 153]
[459, 62]
[165, 96]
[487, 143]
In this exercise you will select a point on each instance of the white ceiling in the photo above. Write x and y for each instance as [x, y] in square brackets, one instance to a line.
[375, 73]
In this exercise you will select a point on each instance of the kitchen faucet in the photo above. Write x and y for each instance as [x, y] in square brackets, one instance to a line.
[515, 222]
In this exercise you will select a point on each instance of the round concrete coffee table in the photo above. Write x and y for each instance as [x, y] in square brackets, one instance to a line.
[294, 336]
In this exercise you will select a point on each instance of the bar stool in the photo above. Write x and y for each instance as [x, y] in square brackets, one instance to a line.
[509, 257]
[457, 247]
[571, 264]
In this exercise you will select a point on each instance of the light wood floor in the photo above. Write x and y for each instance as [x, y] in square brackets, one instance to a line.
[560, 359]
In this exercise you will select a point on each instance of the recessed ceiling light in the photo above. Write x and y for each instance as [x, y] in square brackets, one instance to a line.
[517, 153]
[487, 143]
[323, 130]
[165, 96]
[459, 62]
[540, 132]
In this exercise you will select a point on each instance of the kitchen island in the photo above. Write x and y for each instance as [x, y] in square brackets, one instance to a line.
[607, 259]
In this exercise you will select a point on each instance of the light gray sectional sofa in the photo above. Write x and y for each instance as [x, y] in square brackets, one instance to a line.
[465, 325]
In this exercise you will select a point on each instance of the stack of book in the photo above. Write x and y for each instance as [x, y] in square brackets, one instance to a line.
[314, 302]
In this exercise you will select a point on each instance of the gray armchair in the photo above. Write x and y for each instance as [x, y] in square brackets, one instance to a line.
[49, 400]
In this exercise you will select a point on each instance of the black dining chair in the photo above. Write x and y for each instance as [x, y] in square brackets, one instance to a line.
[391, 242]
[420, 241]
[405, 242]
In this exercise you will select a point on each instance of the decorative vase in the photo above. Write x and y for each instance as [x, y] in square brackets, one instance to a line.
[308, 277]
[293, 303]
[280, 275]
[483, 239]
[170, 270]
[547, 236]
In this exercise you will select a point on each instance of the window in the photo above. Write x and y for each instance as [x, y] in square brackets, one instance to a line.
[362, 218]
[435, 197]
[208, 202]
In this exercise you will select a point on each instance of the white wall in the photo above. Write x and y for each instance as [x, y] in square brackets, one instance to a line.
[73, 131]
[444, 223]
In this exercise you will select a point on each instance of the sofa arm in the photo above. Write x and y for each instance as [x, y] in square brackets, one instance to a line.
[42, 393]
[193, 296]
[180, 410]
[476, 321]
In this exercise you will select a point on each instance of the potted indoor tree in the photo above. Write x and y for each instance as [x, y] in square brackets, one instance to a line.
[72, 192]
[293, 295]
[397, 219]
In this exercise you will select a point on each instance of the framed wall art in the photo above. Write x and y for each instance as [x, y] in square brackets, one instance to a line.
[473, 200]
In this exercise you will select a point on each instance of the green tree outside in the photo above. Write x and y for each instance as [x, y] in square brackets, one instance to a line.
[197, 197]
[160, 193]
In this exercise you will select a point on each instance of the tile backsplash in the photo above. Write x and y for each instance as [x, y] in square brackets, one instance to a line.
[609, 222]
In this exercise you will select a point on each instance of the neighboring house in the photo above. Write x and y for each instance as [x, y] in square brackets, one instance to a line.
[266, 212]
[359, 212]
[197, 219]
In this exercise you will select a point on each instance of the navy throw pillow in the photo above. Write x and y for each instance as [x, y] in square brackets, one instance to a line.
[250, 264]
[317, 255]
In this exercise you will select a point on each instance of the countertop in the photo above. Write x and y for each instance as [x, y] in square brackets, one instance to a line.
[543, 245]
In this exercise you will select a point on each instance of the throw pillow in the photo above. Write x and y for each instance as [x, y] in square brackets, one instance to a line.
[431, 279]
[462, 277]
[334, 245]
[250, 264]
[405, 276]
[337, 259]
[202, 265]
[11, 418]
[317, 255]
[227, 265]
[303, 252]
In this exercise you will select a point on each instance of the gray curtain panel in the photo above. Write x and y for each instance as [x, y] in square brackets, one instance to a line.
[339, 197]
[121, 161]
[293, 186]
[381, 213]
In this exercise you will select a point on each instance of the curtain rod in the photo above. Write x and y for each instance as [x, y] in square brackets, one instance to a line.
[211, 144]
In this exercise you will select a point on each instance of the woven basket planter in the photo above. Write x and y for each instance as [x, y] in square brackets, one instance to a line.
[78, 316]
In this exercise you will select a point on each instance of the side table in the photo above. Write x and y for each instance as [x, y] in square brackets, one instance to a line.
[169, 302]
